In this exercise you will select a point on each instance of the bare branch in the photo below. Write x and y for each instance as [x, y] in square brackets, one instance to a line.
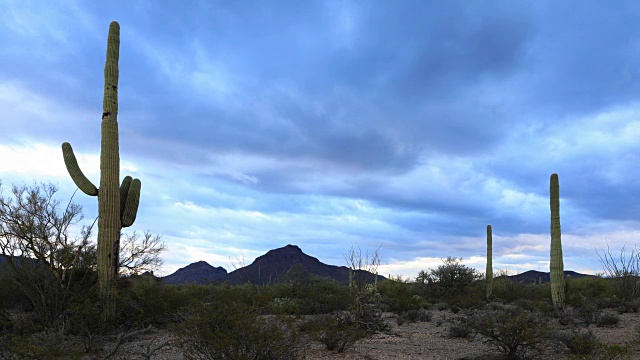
[138, 255]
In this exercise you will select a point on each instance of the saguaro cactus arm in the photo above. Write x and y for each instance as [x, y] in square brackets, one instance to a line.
[77, 176]
[129, 201]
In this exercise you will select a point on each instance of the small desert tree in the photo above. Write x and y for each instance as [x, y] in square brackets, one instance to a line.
[35, 242]
[47, 261]
[450, 277]
[140, 254]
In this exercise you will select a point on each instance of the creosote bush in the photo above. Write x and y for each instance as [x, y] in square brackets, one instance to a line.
[514, 332]
[608, 320]
[337, 331]
[235, 331]
[413, 316]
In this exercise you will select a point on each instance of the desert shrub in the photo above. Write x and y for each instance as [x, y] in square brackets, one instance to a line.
[514, 332]
[459, 329]
[541, 306]
[588, 312]
[5, 321]
[624, 271]
[592, 287]
[235, 331]
[468, 302]
[631, 306]
[399, 296]
[441, 306]
[367, 310]
[321, 296]
[511, 291]
[580, 308]
[608, 320]
[452, 277]
[285, 305]
[335, 331]
[417, 315]
[144, 300]
[585, 345]
[10, 295]
[43, 345]
[578, 342]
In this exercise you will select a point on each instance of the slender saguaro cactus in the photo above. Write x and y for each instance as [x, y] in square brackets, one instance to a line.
[556, 267]
[489, 272]
[117, 204]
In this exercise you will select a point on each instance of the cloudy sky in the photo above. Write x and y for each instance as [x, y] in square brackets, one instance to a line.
[332, 124]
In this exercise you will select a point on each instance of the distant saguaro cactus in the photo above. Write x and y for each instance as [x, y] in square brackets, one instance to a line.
[556, 268]
[117, 204]
[489, 271]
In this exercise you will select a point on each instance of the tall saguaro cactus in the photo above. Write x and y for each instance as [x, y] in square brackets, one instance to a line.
[556, 267]
[117, 204]
[489, 271]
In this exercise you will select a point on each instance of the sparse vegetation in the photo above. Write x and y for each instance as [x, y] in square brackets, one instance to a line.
[277, 320]
[514, 332]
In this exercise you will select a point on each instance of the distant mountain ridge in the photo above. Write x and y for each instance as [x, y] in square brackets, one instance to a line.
[269, 268]
[532, 276]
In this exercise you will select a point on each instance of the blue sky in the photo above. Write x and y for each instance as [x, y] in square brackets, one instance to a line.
[331, 124]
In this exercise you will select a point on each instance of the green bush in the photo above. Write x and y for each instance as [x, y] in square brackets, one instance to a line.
[234, 331]
[588, 312]
[144, 300]
[541, 306]
[511, 291]
[585, 345]
[441, 306]
[608, 320]
[315, 296]
[459, 329]
[335, 331]
[413, 316]
[514, 332]
[43, 345]
[592, 287]
[581, 343]
[367, 310]
[399, 296]
[450, 278]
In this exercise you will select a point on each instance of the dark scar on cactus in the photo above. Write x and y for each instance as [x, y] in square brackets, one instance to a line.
[105, 114]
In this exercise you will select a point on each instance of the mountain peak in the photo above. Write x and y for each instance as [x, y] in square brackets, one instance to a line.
[290, 249]
[198, 272]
